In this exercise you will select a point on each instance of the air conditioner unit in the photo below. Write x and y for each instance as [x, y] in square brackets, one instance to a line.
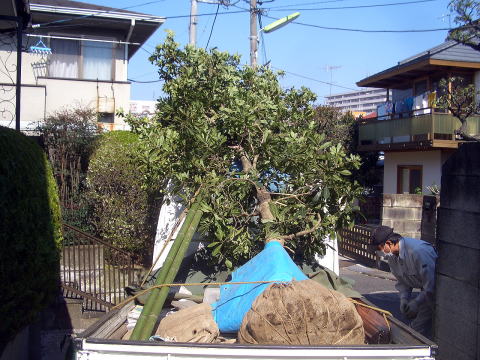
[105, 104]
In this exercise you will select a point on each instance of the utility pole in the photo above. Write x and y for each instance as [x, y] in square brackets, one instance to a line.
[193, 23]
[253, 33]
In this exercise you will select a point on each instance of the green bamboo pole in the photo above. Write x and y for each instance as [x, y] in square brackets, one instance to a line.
[163, 273]
[152, 317]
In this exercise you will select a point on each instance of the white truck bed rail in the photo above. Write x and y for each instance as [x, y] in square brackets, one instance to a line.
[100, 342]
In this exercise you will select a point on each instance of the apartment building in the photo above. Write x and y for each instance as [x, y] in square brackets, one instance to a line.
[362, 100]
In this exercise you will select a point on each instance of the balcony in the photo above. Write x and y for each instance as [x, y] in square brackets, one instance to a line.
[418, 130]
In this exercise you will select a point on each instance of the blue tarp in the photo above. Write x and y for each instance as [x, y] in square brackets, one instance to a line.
[272, 263]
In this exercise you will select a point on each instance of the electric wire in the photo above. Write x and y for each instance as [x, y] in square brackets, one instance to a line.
[362, 30]
[144, 82]
[355, 30]
[213, 25]
[312, 79]
[264, 47]
[355, 6]
[302, 4]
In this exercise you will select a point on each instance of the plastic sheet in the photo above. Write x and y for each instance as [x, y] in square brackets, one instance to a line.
[271, 264]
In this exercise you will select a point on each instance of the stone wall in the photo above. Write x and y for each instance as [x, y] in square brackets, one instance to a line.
[457, 306]
[411, 215]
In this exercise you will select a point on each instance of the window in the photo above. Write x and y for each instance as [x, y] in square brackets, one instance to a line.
[75, 59]
[105, 117]
[409, 179]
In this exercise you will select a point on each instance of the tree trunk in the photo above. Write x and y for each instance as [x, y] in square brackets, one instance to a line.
[264, 199]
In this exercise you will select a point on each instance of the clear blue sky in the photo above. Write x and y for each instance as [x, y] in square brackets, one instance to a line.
[343, 57]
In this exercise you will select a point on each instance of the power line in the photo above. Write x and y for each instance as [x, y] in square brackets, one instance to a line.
[211, 30]
[362, 30]
[285, 71]
[356, 6]
[301, 4]
[312, 79]
[144, 82]
[264, 46]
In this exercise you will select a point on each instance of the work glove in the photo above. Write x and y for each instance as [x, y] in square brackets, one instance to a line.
[403, 306]
[412, 309]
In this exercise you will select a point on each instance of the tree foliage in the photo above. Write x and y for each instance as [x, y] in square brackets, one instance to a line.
[68, 135]
[338, 127]
[342, 128]
[253, 149]
[467, 14]
[458, 97]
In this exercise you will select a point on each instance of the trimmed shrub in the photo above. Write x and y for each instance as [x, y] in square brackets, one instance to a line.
[30, 236]
[124, 209]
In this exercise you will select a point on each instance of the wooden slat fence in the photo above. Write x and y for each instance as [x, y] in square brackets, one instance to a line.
[354, 243]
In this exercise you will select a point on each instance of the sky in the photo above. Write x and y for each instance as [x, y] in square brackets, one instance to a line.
[311, 55]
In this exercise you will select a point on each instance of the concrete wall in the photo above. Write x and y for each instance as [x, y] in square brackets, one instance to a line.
[411, 215]
[457, 308]
[431, 162]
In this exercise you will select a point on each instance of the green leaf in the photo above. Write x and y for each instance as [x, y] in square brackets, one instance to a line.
[216, 250]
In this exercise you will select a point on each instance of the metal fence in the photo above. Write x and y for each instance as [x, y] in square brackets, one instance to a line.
[93, 270]
[354, 243]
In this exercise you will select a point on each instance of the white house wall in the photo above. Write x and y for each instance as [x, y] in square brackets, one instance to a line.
[431, 162]
[41, 96]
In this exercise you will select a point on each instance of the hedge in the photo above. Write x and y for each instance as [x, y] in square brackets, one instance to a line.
[124, 209]
[30, 236]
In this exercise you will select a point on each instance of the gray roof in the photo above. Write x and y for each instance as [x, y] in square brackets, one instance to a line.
[78, 5]
[449, 50]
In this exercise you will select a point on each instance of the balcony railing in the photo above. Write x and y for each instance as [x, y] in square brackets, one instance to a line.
[422, 129]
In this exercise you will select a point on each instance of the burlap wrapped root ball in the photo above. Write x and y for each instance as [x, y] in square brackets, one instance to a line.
[192, 324]
[302, 313]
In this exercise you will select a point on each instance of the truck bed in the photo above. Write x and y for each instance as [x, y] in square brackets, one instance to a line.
[103, 341]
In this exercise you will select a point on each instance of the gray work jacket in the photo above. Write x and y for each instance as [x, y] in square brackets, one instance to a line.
[414, 268]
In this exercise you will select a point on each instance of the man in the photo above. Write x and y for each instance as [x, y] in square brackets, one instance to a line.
[412, 262]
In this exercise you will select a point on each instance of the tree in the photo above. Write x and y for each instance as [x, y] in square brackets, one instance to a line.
[252, 148]
[68, 135]
[342, 128]
[458, 97]
[337, 126]
[467, 14]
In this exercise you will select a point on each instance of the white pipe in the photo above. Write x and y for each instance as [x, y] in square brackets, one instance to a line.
[96, 13]
[83, 39]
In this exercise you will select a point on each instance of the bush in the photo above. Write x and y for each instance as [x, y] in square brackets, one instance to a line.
[30, 236]
[68, 135]
[124, 209]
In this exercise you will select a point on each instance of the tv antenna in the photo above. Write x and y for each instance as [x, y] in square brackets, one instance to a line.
[331, 68]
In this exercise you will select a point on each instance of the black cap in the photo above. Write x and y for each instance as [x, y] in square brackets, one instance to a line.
[380, 235]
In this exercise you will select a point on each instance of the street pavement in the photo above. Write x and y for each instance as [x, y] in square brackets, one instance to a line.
[375, 285]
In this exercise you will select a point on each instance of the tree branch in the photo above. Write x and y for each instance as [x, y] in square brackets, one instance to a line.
[298, 234]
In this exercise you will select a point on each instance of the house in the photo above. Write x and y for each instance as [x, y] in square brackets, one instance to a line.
[74, 54]
[143, 107]
[416, 137]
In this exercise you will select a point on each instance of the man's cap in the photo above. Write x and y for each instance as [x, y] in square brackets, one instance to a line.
[380, 235]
